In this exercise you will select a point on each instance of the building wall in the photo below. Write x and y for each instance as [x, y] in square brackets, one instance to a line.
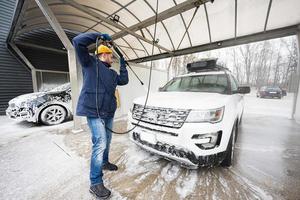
[15, 78]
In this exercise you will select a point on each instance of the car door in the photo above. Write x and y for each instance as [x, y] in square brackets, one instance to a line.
[238, 98]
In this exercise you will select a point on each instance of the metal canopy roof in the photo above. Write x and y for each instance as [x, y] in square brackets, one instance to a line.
[183, 26]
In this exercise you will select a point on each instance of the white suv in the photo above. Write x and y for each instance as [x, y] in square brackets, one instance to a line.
[193, 119]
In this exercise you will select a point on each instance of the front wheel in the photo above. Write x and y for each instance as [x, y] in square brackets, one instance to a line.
[53, 115]
[228, 160]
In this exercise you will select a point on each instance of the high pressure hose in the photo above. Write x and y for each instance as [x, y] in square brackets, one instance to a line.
[149, 82]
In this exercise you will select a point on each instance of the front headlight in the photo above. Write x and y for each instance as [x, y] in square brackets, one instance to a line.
[211, 116]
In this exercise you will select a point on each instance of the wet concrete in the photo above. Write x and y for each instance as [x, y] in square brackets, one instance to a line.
[53, 163]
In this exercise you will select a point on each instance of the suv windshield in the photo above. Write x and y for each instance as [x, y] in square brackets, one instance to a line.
[215, 83]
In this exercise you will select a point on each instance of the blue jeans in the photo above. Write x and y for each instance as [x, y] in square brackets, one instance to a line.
[101, 139]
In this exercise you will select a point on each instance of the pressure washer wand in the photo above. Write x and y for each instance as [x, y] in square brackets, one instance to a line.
[121, 55]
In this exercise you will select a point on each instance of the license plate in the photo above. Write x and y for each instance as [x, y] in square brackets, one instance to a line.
[148, 137]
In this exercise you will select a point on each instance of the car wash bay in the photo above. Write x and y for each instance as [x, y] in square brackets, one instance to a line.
[40, 162]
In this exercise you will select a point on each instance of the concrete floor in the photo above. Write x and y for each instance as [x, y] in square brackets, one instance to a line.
[38, 162]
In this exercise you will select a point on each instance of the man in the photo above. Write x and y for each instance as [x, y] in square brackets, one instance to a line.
[98, 103]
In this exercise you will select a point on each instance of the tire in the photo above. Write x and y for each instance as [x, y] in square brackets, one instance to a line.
[52, 115]
[228, 160]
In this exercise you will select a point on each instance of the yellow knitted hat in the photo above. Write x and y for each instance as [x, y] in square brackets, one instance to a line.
[103, 49]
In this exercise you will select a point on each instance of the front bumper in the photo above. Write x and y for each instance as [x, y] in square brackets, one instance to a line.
[21, 114]
[185, 157]
[179, 144]
[272, 95]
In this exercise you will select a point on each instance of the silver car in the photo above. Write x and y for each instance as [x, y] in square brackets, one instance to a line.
[50, 107]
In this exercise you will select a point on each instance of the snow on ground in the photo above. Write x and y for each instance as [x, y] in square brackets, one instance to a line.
[268, 106]
[33, 165]
[11, 130]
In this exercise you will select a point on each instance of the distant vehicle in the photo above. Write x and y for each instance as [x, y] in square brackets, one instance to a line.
[193, 119]
[269, 91]
[50, 107]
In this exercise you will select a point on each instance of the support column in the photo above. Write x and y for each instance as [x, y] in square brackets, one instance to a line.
[34, 80]
[28, 63]
[296, 107]
[73, 67]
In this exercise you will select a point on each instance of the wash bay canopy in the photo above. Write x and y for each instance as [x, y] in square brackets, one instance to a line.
[183, 27]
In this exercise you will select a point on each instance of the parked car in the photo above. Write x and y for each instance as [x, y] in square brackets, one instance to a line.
[193, 119]
[270, 91]
[50, 107]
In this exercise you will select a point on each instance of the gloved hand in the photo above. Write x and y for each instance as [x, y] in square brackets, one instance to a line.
[122, 62]
[105, 37]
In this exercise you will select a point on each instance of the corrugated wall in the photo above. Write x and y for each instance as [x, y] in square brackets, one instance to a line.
[46, 60]
[15, 78]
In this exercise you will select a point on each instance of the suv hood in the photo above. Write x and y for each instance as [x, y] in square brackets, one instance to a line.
[184, 100]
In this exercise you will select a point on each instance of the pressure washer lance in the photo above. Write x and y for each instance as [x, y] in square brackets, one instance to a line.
[121, 55]
[112, 44]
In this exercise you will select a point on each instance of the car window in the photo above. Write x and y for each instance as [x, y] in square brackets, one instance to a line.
[185, 83]
[202, 83]
[173, 85]
[276, 89]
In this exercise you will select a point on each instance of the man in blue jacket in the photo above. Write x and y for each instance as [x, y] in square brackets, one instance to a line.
[98, 103]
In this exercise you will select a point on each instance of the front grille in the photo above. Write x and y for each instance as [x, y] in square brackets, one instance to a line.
[168, 117]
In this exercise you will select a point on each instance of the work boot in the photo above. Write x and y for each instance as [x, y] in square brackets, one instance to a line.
[109, 166]
[100, 191]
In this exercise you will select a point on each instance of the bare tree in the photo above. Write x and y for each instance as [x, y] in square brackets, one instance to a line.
[263, 63]
[247, 54]
[290, 45]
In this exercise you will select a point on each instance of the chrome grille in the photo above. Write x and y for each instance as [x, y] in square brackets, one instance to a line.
[168, 117]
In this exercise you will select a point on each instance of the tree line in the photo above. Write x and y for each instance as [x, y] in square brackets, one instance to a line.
[266, 63]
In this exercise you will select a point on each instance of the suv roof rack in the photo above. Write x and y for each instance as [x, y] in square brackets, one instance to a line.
[205, 65]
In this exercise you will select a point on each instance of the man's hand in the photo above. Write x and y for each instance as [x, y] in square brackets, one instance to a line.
[122, 62]
[105, 37]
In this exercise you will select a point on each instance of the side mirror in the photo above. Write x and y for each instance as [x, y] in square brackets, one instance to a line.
[244, 89]
[160, 89]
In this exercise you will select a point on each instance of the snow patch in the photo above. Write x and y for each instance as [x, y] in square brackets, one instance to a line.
[170, 172]
[137, 161]
[185, 186]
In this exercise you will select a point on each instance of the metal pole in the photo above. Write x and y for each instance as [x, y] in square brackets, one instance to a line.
[296, 103]
[271, 34]
[71, 58]
[34, 81]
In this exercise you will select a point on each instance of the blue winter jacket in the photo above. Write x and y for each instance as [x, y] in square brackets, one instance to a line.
[107, 81]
